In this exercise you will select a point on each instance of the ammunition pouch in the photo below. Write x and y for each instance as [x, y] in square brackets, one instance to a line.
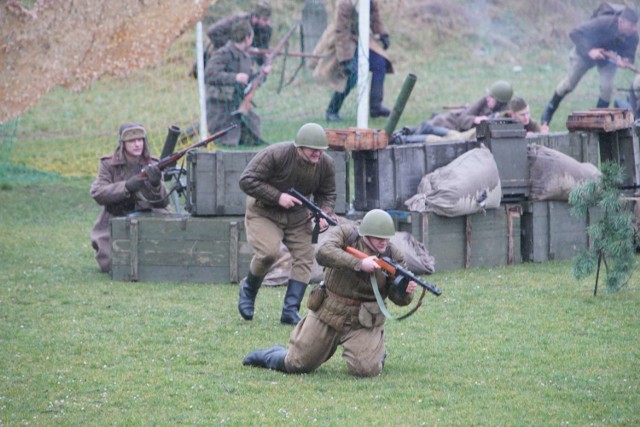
[370, 315]
[316, 297]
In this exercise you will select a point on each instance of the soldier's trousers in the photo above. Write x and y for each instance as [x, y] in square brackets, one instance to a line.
[312, 342]
[265, 234]
[578, 67]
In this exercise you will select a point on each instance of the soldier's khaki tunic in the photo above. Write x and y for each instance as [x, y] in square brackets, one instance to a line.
[338, 321]
[270, 173]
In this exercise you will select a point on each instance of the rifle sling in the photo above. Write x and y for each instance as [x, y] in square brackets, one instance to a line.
[383, 307]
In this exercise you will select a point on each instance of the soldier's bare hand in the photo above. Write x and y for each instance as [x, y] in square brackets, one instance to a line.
[287, 201]
[596, 54]
[242, 78]
[411, 287]
[369, 265]
[267, 69]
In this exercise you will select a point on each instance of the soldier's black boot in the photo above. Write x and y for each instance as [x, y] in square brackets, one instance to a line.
[375, 99]
[292, 300]
[247, 298]
[602, 103]
[271, 358]
[551, 108]
[334, 107]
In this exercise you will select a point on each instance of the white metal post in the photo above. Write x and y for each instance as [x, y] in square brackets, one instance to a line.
[201, 88]
[363, 64]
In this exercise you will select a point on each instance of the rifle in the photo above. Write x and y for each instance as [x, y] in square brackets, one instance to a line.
[315, 210]
[250, 90]
[173, 158]
[263, 52]
[615, 57]
[401, 274]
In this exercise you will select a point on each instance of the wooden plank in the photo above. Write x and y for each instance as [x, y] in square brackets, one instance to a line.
[233, 251]
[135, 240]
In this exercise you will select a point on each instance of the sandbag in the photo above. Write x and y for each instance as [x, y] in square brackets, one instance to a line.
[416, 256]
[552, 174]
[469, 184]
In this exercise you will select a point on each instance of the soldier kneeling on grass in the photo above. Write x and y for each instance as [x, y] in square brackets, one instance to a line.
[344, 310]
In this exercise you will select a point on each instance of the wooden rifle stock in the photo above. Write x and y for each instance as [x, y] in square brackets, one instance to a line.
[173, 158]
[396, 270]
[613, 56]
[245, 106]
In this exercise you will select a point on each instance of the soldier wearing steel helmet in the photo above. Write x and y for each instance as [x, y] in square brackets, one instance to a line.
[344, 310]
[274, 216]
[462, 119]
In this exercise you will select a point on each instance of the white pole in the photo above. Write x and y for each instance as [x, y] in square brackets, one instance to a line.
[363, 64]
[201, 88]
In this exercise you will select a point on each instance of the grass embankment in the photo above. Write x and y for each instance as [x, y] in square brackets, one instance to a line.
[521, 345]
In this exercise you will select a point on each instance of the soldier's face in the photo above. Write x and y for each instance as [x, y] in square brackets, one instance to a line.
[311, 155]
[626, 27]
[377, 244]
[134, 147]
[523, 116]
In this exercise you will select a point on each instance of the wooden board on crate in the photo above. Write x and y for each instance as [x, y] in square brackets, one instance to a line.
[179, 248]
[480, 240]
[356, 139]
[600, 119]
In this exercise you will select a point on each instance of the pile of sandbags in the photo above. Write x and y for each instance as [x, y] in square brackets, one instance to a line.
[469, 184]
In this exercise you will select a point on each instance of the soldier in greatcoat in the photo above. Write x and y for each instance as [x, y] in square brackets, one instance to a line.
[339, 67]
[274, 216]
[227, 73]
[120, 190]
[344, 311]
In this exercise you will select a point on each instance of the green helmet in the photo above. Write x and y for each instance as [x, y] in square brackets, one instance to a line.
[377, 223]
[311, 135]
[501, 91]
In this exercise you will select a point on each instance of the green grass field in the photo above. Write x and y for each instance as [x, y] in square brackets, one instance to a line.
[520, 345]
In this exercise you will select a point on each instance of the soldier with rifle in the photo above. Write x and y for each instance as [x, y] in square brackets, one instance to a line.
[120, 187]
[345, 310]
[274, 216]
[607, 32]
[226, 76]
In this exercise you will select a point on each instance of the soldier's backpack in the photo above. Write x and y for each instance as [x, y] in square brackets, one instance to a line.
[607, 8]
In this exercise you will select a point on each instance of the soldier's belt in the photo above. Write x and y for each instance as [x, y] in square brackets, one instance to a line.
[344, 300]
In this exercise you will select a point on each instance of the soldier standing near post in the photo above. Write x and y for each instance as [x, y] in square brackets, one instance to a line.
[339, 43]
[344, 311]
[273, 216]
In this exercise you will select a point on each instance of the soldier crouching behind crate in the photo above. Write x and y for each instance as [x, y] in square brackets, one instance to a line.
[120, 190]
[273, 216]
[344, 310]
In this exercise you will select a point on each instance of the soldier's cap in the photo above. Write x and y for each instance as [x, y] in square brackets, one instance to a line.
[240, 29]
[517, 104]
[629, 14]
[132, 131]
[263, 9]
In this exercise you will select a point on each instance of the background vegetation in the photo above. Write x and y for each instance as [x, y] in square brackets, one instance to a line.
[521, 345]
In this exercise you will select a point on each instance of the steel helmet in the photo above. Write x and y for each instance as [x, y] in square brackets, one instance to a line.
[377, 223]
[311, 135]
[501, 91]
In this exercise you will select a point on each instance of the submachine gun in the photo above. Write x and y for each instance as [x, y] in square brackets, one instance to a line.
[316, 212]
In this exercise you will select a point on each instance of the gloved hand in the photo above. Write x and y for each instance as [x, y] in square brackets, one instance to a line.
[384, 39]
[346, 68]
[134, 184]
[154, 174]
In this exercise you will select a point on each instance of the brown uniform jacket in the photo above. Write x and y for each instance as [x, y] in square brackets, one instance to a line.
[602, 32]
[339, 42]
[224, 94]
[108, 190]
[461, 119]
[279, 167]
[343, 277]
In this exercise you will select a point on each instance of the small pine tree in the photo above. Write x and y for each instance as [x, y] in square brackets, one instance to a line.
[611, 235]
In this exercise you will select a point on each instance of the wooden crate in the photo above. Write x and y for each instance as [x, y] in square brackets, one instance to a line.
[384, 179]
[600, 119]
[175, 248]
[356, 139]
[213, 182]
[480, 240]
[550, 232]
